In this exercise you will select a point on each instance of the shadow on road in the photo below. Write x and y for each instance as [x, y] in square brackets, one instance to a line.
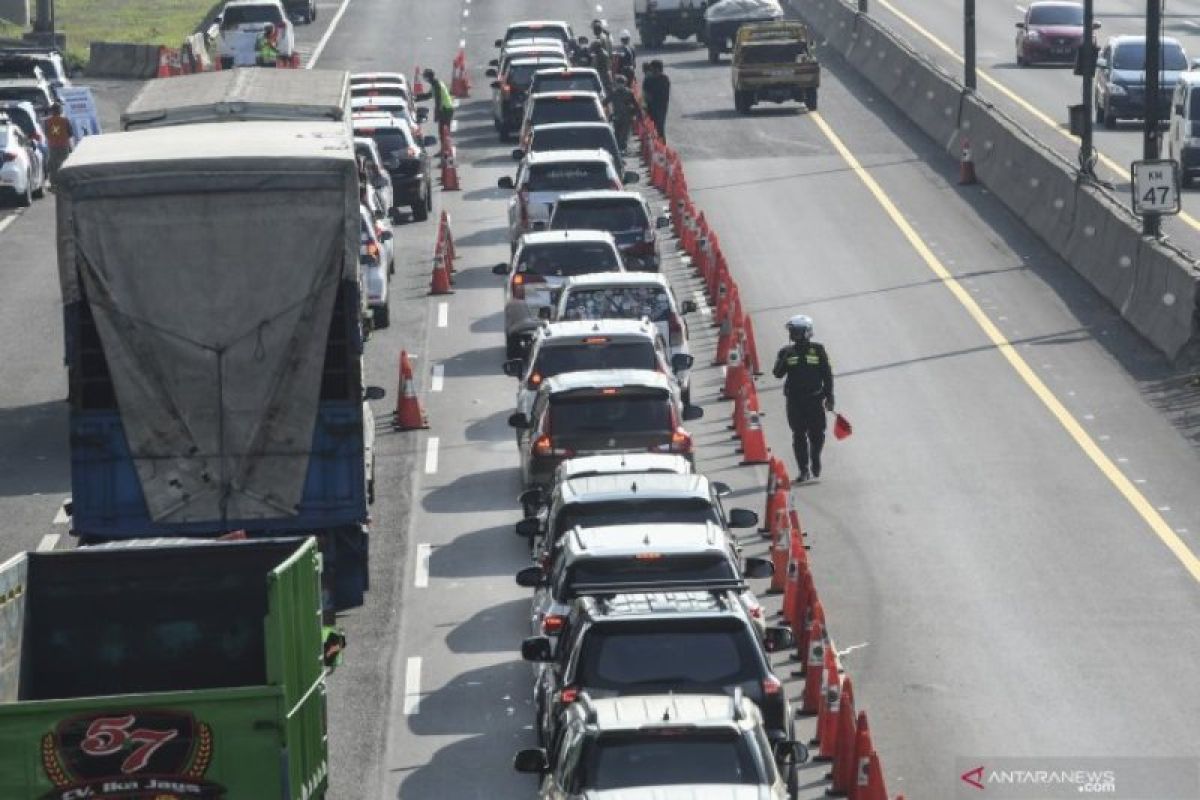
[491, 490]
[498, 629]
[33, 450]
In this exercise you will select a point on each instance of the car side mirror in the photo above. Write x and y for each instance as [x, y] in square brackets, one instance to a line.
[788, 753]
[494, 84]
[429, 141]
[493, 63]
[529, 528]
[756, 567]
[374, 393]
[379, 181]
[688, 307]
[386, 236]
[1102, 63]
[514, 367]
[1096, 26]
[775, 640]
[518, 421]
[491, 73]
[500, 269]
[721, 489]
[743, 518]
[531, 577]
[532, 761]
[662, 222]
[538, 225]
[422, 114]
[692, 412]
[1021, 25]
[505, 183]
[518, 154]
[499, 43]
[682, 361]
[332, 649]
[544, 312]
[630, 177]
[537, 649]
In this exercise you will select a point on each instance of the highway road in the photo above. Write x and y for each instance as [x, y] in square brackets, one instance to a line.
[1005, 547]
[1038, 96]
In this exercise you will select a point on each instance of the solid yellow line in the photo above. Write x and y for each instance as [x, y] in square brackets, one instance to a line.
[1122, 484]
[1033, 110]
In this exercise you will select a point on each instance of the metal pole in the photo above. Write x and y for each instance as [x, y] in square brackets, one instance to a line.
[1150, 132]
[1087, 61]
[969, 44]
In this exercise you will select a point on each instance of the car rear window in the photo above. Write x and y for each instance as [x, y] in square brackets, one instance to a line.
[1056, 15]
[393, 143]
[1132, 56]
[773, 53]
[667, 757]
[616, 216]
[233, 16]
[602, 354]
[624, 412]
[29, 94]
[521, 75]
[617, 302]
[661, 656]
[570, 109]
[690, 510]
[575, 139]
[398, 92]
[22, 66]
[631, 570]
[569, 176]
[20, 118]
[567, 260]
[536, 32]
[566, 83]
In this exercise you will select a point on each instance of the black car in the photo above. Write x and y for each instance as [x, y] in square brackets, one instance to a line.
[510, 90]
[658, 642]
[1120, 89]
[301, 10]
[574, 136]
[406, 160]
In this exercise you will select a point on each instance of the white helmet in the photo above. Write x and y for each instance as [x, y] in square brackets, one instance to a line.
[625, 36]
[801, 322]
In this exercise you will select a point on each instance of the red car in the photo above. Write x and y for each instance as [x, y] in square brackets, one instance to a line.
[1050, 33]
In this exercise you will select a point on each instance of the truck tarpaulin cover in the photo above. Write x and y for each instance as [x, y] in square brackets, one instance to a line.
[211, 264]
[744, 9]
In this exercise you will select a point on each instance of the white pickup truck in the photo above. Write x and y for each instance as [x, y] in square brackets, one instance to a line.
[657, 19]
[240, 24]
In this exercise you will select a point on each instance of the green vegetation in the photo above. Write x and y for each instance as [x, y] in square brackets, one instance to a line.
[164, 22]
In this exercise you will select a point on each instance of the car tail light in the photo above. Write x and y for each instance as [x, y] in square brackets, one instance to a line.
[553, 623]
[681, 442]
[544, 447]
[521, 281]
[641, 248]
[756, 612]
[37, 137]
[7, 156]
[413, 152]
[675, 327]
[771, 685]
[372, 250]
[378, 230]
[535, 380]
[568, 695]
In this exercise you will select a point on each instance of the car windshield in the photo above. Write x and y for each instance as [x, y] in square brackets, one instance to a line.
[684, 510]
[634, 571]
[521, 75]
[667, 757]
[606, 215]
[617, 302]
[624, 412]
[1131, 56]
[597, 138]
[672, 655]
[393, 144]
[27, 66]
[233, 16]
[600, 354]
[536, 32]
[1056, 15]
[569, 176]
[379, 91]
[29, 94]
[567, 260]
[773, 53]
[580, 82]
[571, 109]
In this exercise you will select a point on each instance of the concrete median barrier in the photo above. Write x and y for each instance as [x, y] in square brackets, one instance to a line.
[116, 60]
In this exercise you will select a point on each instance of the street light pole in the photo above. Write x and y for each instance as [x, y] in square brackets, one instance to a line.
[969, 44]
[1087, 68]
[1150, 132]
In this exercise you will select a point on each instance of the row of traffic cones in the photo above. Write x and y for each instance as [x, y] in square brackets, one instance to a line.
[460, 84]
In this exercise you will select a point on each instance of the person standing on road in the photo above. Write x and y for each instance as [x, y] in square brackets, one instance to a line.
[656, 93]
[58, 140]
[266, 54]
[624, 108]
[602, 63]
[443, 102]
[625, 59]
[808, 389]
[600, 34]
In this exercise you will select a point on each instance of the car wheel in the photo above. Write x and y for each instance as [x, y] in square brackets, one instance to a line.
[25, 200]
[429, 197]
[40, 191]
[714, 54]
[741, 102]
[382, 317]
[371, 484]
[810, 99]
[420, 210]
[1110, 118]
[392, 267]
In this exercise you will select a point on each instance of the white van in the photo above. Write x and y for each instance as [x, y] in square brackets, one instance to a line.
[1183, 138]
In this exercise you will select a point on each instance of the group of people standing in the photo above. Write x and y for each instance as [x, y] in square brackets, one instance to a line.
[617, 67]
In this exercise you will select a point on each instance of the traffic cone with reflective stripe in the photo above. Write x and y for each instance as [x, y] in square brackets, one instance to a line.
[966, 167]
[863, 747]
[827, 714]
[164, 64]
[408, 415]
[842, 774]
[794, 610]
[815, 616]
[735, 373]
[440, 282]
[814, 672]
[751, 354]
[450, 167]
[754, 440]
[784, 574]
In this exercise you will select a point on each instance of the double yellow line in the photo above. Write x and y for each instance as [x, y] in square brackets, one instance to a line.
[1025, 105]
[1086, 443]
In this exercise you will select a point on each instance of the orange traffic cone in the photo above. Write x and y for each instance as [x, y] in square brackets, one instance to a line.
[793, 610]
[440, 282]
[460, 86]
[815, 614]
[164, 64]
[863, 748]
[446, 241]
[842, 774]
[784, 574]
[754, 441]
[751, 352]
[450, 169]
[409, 415]
[966, 167]
[418, 87]
[827, 715]
[814, 669]
[735, 372]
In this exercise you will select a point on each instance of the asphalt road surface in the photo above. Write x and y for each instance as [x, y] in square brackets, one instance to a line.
[1005, 547]
[1038, 96]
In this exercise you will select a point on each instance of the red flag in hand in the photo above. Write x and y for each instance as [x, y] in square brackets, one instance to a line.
[841, 427]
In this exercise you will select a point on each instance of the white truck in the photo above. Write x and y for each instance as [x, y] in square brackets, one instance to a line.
[242, 22]
[658, 19]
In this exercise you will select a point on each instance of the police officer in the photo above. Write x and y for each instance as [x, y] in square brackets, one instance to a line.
[809, 392]
[625, 58]
[624, 108]
[656, 94]
[602, 63]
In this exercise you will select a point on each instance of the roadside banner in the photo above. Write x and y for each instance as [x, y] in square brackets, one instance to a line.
[79, 106]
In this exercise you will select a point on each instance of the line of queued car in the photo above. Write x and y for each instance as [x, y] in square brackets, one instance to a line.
[30, 78]
[649, 649]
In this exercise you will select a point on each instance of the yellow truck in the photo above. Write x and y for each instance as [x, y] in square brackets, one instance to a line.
[773, 61]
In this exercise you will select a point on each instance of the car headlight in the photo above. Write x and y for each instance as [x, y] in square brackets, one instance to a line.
[1034, 36]
[1116, 88]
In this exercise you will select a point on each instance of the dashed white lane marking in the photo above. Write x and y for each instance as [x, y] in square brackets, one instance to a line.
[431, 455]
[9, 220]
[333, 23]
[412, 686]
[61, 517]
[443, 318]
[439, 377]
[421, 579]
[48, 542]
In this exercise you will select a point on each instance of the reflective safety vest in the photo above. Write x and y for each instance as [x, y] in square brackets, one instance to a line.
[445, 99]
[267, 52]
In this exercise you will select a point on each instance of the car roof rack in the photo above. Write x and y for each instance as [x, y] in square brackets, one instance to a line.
[645, 587]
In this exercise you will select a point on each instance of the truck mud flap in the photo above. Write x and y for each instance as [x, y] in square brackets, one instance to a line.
[346, 553]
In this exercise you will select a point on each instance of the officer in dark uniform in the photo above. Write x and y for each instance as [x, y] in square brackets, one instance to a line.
[809, 392]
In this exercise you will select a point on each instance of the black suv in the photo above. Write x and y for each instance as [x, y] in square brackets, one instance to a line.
[658, 642]
[511, 89]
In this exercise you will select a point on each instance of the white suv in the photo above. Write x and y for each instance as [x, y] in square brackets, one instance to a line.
[22, 177]
[241, 22]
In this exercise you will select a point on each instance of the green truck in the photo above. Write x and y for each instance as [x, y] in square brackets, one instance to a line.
[163, 671]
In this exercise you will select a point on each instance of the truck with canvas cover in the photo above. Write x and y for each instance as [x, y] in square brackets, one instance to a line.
[178, 670]
[723, 19]
[211, 291]
[657, 19]
[773, 61]
[242, 95]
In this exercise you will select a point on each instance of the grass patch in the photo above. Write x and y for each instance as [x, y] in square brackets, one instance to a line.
[164, 22]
